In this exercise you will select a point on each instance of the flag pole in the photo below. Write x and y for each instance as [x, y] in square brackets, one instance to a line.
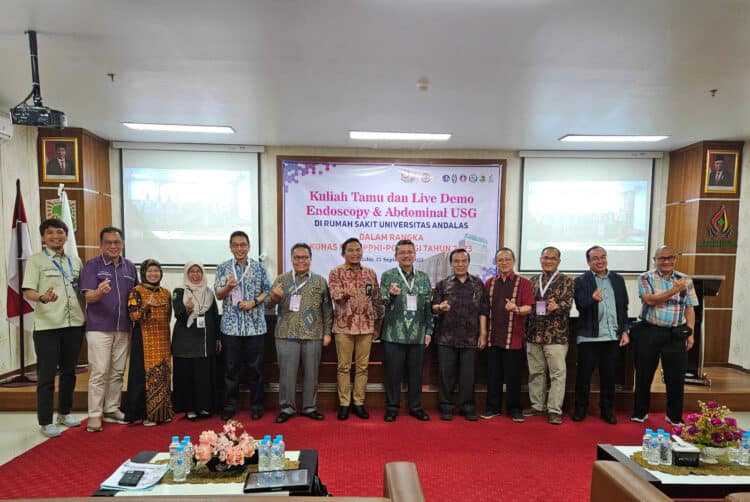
[22, 378]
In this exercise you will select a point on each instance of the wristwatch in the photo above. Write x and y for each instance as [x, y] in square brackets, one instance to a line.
[518, 310]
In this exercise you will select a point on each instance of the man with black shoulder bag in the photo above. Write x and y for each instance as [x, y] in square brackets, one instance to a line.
[665, 332]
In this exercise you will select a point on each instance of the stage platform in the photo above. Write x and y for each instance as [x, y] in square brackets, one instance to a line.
[730, 387]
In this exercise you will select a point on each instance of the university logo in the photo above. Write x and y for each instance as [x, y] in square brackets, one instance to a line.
[719, 227]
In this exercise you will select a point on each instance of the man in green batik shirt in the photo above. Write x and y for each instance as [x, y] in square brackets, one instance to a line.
[407, 330]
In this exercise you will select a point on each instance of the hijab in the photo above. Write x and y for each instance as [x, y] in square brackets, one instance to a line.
[201, 296]
[150, 262]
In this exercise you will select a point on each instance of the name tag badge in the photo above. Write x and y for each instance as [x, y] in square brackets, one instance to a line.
[236, 296]
[294, 303]
[200, 321]
[541, 307]
[411, 302]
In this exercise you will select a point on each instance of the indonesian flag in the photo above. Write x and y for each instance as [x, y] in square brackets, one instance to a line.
[16, 302]
[66, 216]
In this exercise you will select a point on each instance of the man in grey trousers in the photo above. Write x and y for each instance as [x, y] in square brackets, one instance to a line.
[303, 328]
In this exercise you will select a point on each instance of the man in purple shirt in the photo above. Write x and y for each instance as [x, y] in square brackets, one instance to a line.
[106, 281]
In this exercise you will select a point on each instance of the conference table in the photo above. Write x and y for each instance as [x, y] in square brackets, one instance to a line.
[687, 486]
[308, 459]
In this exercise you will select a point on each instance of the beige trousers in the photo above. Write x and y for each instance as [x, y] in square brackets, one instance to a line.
[360, 346]
[543, 358]
[108, 353]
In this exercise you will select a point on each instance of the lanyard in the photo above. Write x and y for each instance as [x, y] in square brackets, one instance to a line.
[244, 273]
[542, 288]
[408, 286]
[202, 301]
[60, 267]
[294, 279]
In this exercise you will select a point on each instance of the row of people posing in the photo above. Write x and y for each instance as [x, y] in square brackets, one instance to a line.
[403, 304]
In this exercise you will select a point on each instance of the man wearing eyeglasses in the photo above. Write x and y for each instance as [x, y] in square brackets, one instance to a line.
[407, 330]
[666, 333]
[303, 328]
[547, 337]
[243, 285]
[602, 303]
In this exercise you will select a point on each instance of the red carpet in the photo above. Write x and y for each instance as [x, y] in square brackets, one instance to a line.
[489, 460]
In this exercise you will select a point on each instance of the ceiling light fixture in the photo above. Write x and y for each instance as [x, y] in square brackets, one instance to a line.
[179, 128]
[594, 138]
[399, 136]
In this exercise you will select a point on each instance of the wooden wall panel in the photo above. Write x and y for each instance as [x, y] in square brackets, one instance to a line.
[680, 230]
[96, 155]
[685, 174]
[717, 328]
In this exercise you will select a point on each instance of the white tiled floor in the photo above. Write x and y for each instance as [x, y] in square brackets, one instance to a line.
[18, 435]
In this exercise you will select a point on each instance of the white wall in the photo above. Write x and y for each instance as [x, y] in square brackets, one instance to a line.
[739, 346]
[18, 160]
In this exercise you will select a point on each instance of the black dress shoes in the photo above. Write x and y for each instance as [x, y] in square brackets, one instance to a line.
[256, 414]
[579, 414]
[610, 418]
[204, 414]
[314, 415]
[419, 414]
[283, 417]
[343, 412]
[227, 414]
[360, 411]
[390, 416]
[469, 414]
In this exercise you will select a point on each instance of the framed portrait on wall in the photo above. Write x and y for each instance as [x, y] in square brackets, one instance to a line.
[59, 157]
[721, 171]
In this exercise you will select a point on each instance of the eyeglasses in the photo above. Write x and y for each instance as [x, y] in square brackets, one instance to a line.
[112, 243]
[300, 258]
[550, 258]
[239, 245]
[666, 258]
[598, 258]
[504, 260]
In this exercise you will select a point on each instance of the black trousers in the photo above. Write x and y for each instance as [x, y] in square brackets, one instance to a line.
[193, 384]
[651, 344]
[396, 358]
[593, 355]
[504, 367]
[456, 363]
[242, 351]
[56, 348]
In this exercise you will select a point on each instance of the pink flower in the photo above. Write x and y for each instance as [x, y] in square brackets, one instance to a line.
[247, 446]
[203, 453]
[208, 437]
[692, 418]
[677, 430]
[235, 456]
[230, 430]
[731, 422]
[716, 421]
[712, 405]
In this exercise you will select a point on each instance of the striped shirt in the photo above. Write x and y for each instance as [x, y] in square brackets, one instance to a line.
[671, 312]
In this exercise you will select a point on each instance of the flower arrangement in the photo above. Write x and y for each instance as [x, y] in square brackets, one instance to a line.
[711, 427]
[225, 450]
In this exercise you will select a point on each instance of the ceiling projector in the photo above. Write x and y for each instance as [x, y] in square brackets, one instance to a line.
[39, 116]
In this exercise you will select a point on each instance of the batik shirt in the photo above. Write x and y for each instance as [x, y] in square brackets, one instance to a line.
[459, 327]
[314, 318]
[355, 315]
[551, 328]
[253, 281]
[401, 325]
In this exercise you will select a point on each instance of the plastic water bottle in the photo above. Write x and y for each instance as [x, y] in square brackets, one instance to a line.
[282, 449]
[179, 472]
[653, 450]
[646, 443]
[277, 461]
[264, 455]
[665, 454]
[189, 452]
[173, 451]
[745, 450]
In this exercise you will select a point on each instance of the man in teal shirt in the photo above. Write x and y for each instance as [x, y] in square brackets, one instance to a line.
[407, 330]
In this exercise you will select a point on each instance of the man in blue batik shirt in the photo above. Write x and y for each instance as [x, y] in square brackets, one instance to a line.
[243, 286]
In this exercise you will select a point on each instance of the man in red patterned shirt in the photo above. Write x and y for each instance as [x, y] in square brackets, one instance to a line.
[357, 318]
[511, 299]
